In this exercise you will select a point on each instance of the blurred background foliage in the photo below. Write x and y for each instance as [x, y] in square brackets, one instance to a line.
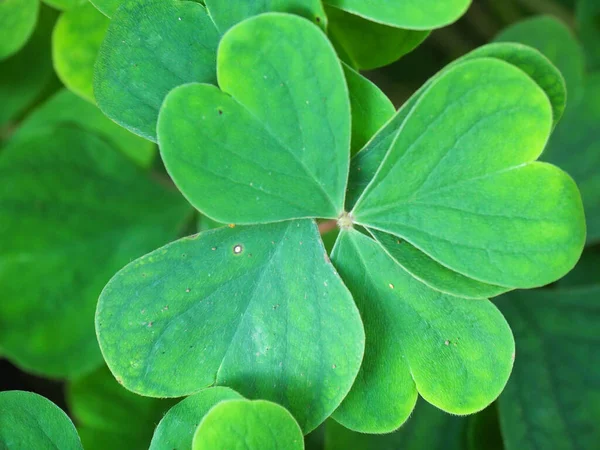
[553, 398]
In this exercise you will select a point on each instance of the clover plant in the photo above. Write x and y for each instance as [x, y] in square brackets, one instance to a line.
[219, 233]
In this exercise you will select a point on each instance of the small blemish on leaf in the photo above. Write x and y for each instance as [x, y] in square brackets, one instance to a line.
[143, 311]
[447, 342]
[391, 286]
[275, 306]
[166, 308]
[150, 324]
[334, 366]
[237, 249]
[183, 255]
[213, 249]
[188, 290]
[325, 283]
[220, 111]
[318, 19]
[231, 225]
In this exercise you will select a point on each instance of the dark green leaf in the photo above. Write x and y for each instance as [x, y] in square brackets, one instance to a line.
[74, 210]
[110, 417]
[588, 24]
[368, 45]
[552, 400]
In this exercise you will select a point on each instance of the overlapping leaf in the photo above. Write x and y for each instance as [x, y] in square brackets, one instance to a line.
[20, 86]
[551, 400]
[178, 426]
[478, 174]
[29, 421]
[368, 45]
[226, 13]
[110, 417]
[236, 307]
[261, 425]
[75, 44]
[409, 14]
[17, 22]
[274, 142]
[152, 46]
[456, 353]
[74, 211]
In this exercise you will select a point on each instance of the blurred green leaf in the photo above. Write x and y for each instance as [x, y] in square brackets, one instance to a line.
[585, 273]
[67, 108]
[152, 46]
[74, 210]
[20, 84]
[110, 417]
[29, 421]
[478, 129]
[17, 22]
[258, 155]
[557, 43]
[409, 14]
[427, 429]
[588, 24]
[228, 307]
[75, 44]
[176, 429]
[259, 424]
[553, 397]
[456, 353]
[368, 45]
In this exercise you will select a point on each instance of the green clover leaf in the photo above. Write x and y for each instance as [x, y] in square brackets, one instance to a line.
[478, 173]
[29, 421]
[454, 352]
[263, 425]
[152, 46]
[234, 307]
[280, 125]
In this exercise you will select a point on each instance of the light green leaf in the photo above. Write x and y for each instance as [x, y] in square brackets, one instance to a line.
[17, 22]
[409, 14]
[427, 429]
[260, 425]
[65, 5]
[371, 109]
[365, 164]
[20, 86]
[432, 273]
[75, 44]
[456, 353]
[176, 430]
[556, 42]
[152, 46]
[111, 417]
[107, 7]
[74, 211]
[472, 138]
[226, 13]
[588, 25]
[368, 45]
[67, 108]
[553, 397]
[231, 307]
[29, 421]
[274, 142]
